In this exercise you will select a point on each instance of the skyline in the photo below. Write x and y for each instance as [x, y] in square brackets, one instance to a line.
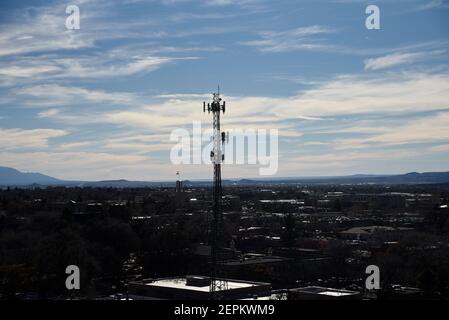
[99, 103]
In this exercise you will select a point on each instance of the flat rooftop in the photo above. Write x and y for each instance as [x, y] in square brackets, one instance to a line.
[326, 291]
[252, 260]
[335, 293]
[181, 283]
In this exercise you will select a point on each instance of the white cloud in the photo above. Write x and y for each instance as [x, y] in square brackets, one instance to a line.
[27, 71]
[434, 4]
[74, 145]
[41, 30]
[440, 148]
[85, 165]
[222, 2]
[27, 138]
[97, 67]
[398, 58]
[48, 113]
[345, 156]
[387, 93]
[429, 129]
[290, 40]
[139, 147]
[344, 95]
[44, 31]
[24, 70]
[56, 95]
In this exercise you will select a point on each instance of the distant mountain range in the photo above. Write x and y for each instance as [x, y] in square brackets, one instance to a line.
[13, 177]
[10, 176]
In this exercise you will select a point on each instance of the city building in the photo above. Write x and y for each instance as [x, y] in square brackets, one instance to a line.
[375, 233]
[195, 288]
[322, 293]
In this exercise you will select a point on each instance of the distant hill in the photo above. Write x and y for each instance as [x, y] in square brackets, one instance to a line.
[125, 184]
[408, 178]
[10, 176]
[13, 177]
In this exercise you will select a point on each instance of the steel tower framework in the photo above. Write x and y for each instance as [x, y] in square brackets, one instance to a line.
[217, 157]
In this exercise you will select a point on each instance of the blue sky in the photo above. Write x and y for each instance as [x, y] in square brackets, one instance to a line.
[100, 102]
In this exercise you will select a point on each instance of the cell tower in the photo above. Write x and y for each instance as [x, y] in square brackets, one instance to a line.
[217, 157]
[178, 183]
